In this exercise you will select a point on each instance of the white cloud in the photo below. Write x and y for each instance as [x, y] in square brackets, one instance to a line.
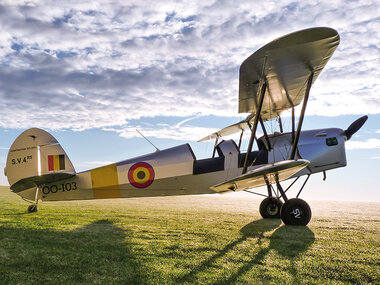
[368, 144]
[83, 65]
[165, 131]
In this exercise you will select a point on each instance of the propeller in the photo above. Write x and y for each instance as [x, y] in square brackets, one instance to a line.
[355, 126]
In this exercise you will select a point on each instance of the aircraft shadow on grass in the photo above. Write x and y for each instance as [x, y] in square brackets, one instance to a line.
[91, 254]
[16, 214]
[287, 241]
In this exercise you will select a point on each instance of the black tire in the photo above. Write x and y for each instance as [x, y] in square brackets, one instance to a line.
[32, 209]
[296, 212]
[270, 208]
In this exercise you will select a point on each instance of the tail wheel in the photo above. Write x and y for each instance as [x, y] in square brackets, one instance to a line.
[32, 209]
[270, 208]
[296, 212]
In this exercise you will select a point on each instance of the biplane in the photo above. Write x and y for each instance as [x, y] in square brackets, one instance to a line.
[276, 78]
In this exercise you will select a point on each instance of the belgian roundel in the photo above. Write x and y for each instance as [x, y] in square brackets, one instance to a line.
[141, 175]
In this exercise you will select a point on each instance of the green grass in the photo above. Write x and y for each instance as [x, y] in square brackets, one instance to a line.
[185, 240]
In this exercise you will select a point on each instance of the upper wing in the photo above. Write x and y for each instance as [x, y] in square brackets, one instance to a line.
[285, 64]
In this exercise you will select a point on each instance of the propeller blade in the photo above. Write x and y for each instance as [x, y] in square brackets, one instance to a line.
[355, 126]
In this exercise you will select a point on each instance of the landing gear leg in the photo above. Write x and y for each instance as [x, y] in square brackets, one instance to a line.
[295, 211]
[34, 208]
[270, 207]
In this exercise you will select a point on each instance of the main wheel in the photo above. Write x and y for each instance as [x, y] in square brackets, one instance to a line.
[32, 209]
[296, 212]
[270, 208]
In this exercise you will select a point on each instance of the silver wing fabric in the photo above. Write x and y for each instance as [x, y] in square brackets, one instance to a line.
[285, 64]
[232, 129]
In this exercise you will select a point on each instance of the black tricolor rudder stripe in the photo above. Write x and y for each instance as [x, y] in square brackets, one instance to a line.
[61, 161]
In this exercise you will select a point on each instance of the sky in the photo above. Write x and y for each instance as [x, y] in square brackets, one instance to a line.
[92, 72]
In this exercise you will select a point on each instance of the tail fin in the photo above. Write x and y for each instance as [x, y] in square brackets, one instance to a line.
[36, 158]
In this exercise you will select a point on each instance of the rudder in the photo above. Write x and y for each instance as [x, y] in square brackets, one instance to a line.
[36, 158]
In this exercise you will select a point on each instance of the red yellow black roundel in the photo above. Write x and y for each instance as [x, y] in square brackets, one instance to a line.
[141, 174]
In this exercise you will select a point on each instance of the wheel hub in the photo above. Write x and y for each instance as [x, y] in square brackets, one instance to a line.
[297, 213]
[272, 209]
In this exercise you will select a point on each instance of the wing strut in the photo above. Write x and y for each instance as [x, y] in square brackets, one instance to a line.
[280, 124]
[265, 134]
[305, 99]
[241, 138]
[216, 143]
[293, 124]
[254, 127]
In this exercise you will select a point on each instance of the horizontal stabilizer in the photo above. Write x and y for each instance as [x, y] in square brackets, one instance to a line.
[280, 171]
[34, 181]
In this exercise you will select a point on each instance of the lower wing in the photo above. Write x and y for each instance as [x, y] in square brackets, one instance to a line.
[274, 172]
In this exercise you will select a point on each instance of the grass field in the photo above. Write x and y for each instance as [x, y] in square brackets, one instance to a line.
[185, 240]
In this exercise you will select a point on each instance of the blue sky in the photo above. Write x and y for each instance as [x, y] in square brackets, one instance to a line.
[92, 72]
